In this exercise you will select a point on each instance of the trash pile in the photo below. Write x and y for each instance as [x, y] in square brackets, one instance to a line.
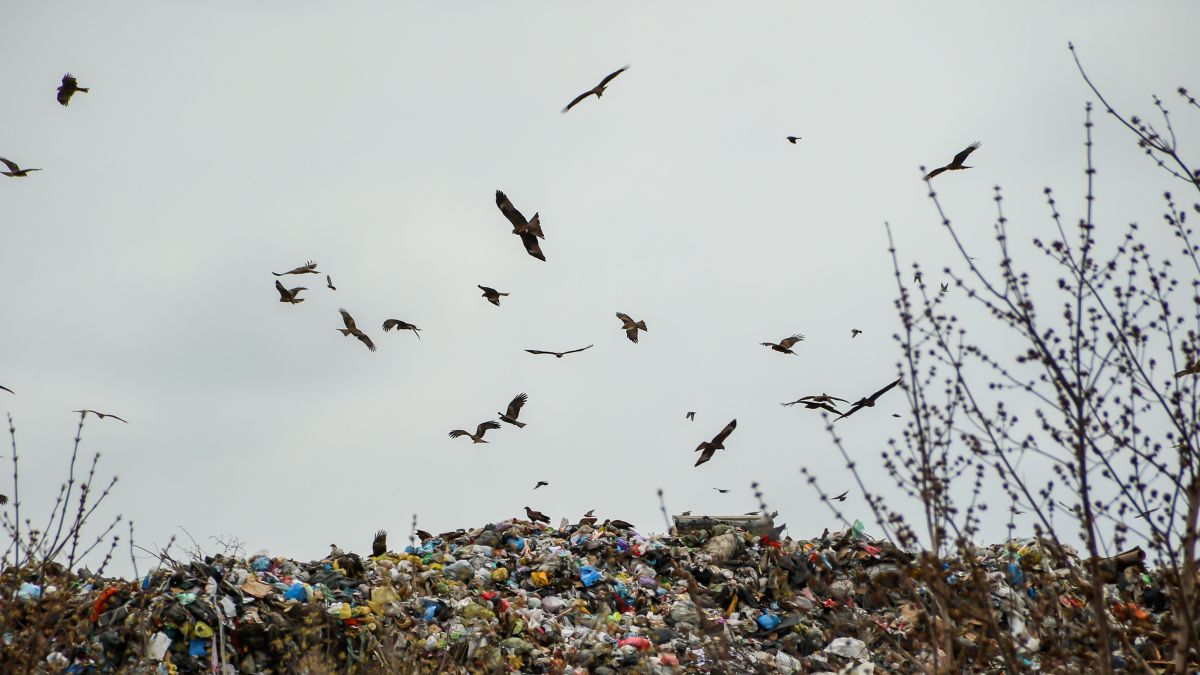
[520, 596]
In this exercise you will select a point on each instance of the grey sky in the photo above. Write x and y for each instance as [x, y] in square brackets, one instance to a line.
[224, 140]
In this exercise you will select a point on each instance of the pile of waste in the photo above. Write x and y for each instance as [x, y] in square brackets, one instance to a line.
[588, 597]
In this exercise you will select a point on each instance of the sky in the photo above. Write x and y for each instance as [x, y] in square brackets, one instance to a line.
[222, 141]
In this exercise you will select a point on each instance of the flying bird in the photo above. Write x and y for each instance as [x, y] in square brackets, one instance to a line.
[793, 139]
[529, 230]
[1193, 369]
[479, 431]
[842, 497]
[68, 88]
[514, 409]
[329, 283]
[630, 326]
[309, 267]
[540, 483]
[869, 401]
[289, 295]
[588, 519]
[721, 490]
[537, 516]
[854, 333]
[351, 329]
[691, 416]
[492, 295]
[955, 164]
[8, 390]
[717, 443]
[943, 288]
[85, 411]
[423, 535]
[3, 499]
[14, 171]
[1141, 514]
[379, 545]
[401, 325]
[785, 345]
[558, 354]
[598, 90]
[822, 402]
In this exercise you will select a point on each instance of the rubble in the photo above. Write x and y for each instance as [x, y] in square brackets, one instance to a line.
[519, 596]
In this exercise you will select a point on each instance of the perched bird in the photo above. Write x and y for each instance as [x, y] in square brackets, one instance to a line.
[309, 267]
[617, 522]
[869, 401]
[492, 295]
[1192, 369]
[691, 416]
[329, 283]
[630, 326]
[423, 535]
[722, 491]
[379, 546]
[558, 354]
[854, 333]
[14, 171]
[401, 325]
[588, 518]
[290, 295]
[537, 516]
[540, 483]
[85, 411]
[514, 409]
[956, 163]
[8, 390]
[842, 497]
[479, 431]
[351, 329]
[793, 139]
[68, 88]
[717, 443]
[529, 230]
[598, 90]
[785, 345]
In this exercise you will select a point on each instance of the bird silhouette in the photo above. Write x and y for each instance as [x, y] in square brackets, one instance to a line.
[630, 326]
[289, 295]
[540, 483]
[822, 402]
[14, 171]
[1191, 369]
[722, 491]
[793, 139]
[842, 497]
[3, 499]
[309, 267]
[85, 411]
[868, 401]
[379, 545]
[68, 88]
[8, 390]
[955, 164]
[537, 516]
[717, 443]
[598, 90]
[854, 333]
[492, 295]
[401, 325]
[785, 345]
[514, 409]
[480, 430]
[617, 522]
[329, 283]
[351, 329]
[558, 354]
[528, 230]
[691, 416]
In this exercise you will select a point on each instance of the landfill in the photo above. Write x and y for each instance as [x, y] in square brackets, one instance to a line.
[524, 597]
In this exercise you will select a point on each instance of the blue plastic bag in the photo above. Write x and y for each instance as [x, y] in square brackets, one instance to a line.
[296, 592]
[769, 621]
[198, 647]
[589, 575]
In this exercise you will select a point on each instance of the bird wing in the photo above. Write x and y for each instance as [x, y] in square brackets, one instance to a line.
[379, 545]
[362, 337]
[538, 351]
[347, 319]
[853, 409]
[632, 334]
[843, 495]
[485, 289]
[935, 172]
[69, 81]
[506, 207]
[8, 390]
[329, 281]
[610, 76]
[720, 438]
[12, 166]
[799, 400]
[283, 292]
[578, 350]
[962, 156]
[458, 432]
[514, 408]
[625, 318]
[484, 426]
[883, 391]
[787, 343]
[531, 246]
[113, 416]
[706, 455]
[578, 99]
[391, 323]
[830, 408]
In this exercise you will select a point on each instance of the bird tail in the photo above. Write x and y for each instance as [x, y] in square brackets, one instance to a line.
[520, 425]
[641, 324]
[343, 331]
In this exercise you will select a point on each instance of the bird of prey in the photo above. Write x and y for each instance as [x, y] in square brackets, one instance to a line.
[329, 283]
[558, 355]
[289, 295]
[956, 163]
[514, 409]
[351, 329]
[588, 519]
[423, 535]
[793, 139]
[717, 443]
[1141, 514]
[401, 325]
[309, 267]
[528, 230]
[691, 416]
[785, 345]
[868, 401]
[14, 171]
[1192, 369]
[540, 483]
[85, 411]
[479, 431]
[68, 88]
[854, 333]
[598, 90]
[492, 295]
[617, 522]
[822, 402]
[842, 497]
[722, 491]
[537, 516]
[379, 545]
[8, 390]
[630, 326]
[3, 499]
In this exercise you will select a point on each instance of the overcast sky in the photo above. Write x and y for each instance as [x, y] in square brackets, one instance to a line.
[223, 140]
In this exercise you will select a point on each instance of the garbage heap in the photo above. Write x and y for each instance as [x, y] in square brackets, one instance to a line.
[519, 596]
